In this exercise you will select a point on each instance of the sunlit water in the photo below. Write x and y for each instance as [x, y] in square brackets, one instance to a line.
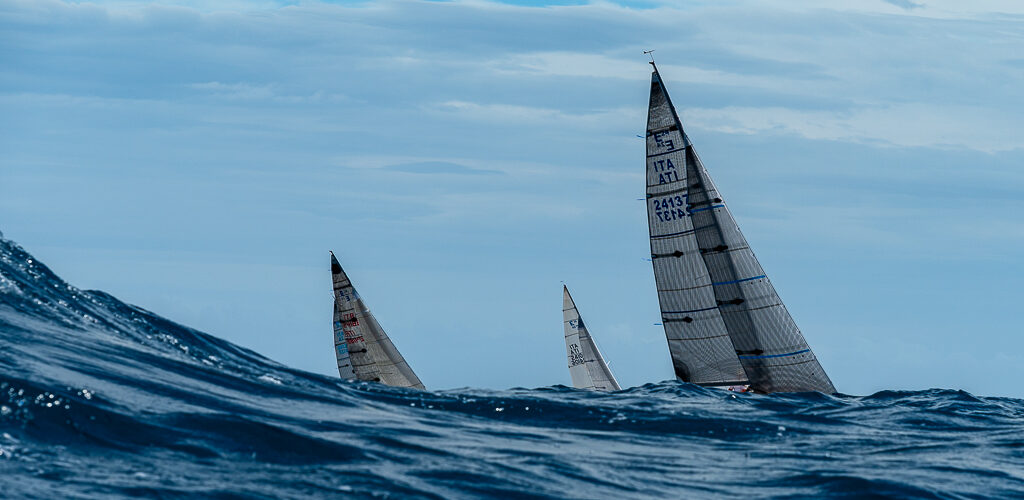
[100, 399]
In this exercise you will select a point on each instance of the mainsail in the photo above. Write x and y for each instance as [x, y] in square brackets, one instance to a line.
[586, 365]
[364, 351]
[724, 322]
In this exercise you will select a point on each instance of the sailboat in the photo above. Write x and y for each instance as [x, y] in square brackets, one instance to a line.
[363, 349]
[725, 324]
[586, 365]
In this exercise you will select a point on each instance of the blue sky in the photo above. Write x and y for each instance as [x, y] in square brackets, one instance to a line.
[463, 158]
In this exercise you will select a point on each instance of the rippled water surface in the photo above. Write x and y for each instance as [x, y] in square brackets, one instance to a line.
[102, 399]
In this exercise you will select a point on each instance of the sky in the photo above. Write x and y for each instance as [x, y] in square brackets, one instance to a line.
[465, 158]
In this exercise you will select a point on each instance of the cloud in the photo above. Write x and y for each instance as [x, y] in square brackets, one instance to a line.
[509, 132]
[235, 90]
[440, 167]
[907, 125]
[904, 4]
[584, 65]
[550, 117]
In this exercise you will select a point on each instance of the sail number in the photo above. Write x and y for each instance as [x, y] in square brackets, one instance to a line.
[670, 208]
[663, 143]
[662, 165]
[575, 355]
[666, 171]
[670, 215]
[667, 177]
[671, 201]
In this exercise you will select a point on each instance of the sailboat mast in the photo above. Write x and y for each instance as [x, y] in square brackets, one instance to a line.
[724, 322]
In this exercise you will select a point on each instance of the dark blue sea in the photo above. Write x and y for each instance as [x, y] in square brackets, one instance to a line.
[102, 399]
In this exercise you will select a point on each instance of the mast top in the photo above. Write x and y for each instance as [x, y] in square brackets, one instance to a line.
[651, 62]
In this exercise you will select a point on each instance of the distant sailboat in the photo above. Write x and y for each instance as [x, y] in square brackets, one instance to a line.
[586, 365]
[724, 322]
[363, 350]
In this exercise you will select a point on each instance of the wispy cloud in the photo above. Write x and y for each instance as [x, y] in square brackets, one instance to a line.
[908, 125]
[905, 4]
[235, 90]
[440, 167]
[549, 117]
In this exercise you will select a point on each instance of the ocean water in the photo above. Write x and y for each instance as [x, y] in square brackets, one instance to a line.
[102, 399]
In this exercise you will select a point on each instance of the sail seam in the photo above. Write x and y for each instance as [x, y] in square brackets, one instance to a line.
[666, 193]
[769, 306]
[703, 338]
[674, 234]
[686, 289]
[802, 362]
[740, 281]
[691, 311]
[667, 152]
[767, 356]
[706, 208]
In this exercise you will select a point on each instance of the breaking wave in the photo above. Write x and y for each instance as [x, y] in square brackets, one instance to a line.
[99, 398]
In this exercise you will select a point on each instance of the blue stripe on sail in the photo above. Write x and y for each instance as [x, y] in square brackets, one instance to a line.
[691, 311]
[766, 356]
[739, 281]
[706, 208]
[671, 234]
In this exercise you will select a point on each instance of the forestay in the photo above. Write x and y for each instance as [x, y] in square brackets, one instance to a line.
[363, 350]
[724, 322]
[586, 365]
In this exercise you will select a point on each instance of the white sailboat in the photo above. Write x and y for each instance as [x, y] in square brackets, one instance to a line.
[586, 365]
[724, 322]
[364, 351]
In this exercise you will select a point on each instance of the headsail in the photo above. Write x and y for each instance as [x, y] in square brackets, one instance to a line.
[363, 350]
[724, 322]
[586, 365]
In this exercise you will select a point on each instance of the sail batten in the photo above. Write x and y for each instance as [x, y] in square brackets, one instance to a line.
[363, 350]
[723, 320]
[586, 365]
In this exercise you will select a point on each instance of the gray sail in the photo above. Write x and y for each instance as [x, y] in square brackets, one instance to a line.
[586, 365]
[363, 350]
[724, 322]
